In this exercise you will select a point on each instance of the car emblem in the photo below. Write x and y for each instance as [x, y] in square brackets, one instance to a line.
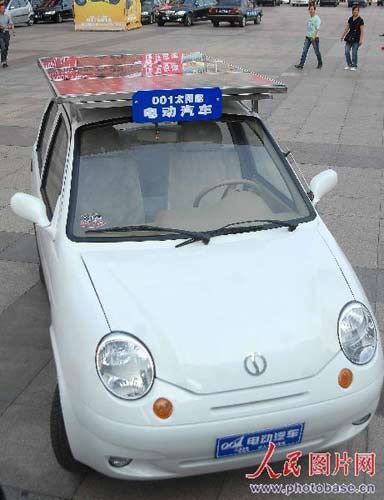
[255, 364]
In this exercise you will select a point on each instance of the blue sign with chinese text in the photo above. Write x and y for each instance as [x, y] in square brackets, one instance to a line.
[258, 441]
[178, 105]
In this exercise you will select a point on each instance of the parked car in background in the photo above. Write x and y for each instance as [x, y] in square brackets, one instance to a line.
[272, 3]
[53, 10]
[360, 3]
[184, 12]
[149, 11]
[297, 3]
[380, 3]
[21, 12]
[324, 3]
[235, 12]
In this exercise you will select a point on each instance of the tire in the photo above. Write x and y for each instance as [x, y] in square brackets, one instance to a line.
[58, 18]
[258, 19]
[59, 439]
[160, 23]
[152, 19]
[232, 23]
[216, 24]
[242, 22]
[188, 20]
[81, 3]
[30, 21]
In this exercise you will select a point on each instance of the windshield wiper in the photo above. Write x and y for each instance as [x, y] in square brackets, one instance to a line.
[191, 235]
[278, 223]
[222, 230]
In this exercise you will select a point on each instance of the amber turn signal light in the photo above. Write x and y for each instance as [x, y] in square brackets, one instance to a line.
[345, 378]
[162, 408]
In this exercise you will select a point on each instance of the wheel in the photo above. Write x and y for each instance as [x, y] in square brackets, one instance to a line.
[188, 20]
[160, 23]
[232, 23]
[152, 19]
[216, 24]
[30, 21]
[59, 439]
[81, 2]
[242, 22]
[258, 19]
[58, 18]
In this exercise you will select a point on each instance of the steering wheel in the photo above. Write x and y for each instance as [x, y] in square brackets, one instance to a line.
[234, 182]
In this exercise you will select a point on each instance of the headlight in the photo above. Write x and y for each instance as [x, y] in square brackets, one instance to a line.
[180, 13]
[50, 13]
[144, 13]
[125, 366]
[357, 333]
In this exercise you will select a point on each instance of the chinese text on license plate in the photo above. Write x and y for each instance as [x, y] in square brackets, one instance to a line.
[177, 105]
[258, 441]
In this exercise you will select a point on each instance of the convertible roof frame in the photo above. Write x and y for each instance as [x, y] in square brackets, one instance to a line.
[111, 81]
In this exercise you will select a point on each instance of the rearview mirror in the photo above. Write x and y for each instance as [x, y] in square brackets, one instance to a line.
[322, 183]
[30, 208]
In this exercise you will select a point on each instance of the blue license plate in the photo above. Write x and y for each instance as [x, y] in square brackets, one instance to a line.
[253, 442]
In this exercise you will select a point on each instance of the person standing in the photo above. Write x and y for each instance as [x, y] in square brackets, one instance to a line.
[353, 36]
[311, 38]
[5, 25]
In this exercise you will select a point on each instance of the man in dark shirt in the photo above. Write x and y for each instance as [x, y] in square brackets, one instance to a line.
[353, 36]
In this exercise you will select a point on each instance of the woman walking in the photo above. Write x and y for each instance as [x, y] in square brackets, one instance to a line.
[353, 37]
[311, 38]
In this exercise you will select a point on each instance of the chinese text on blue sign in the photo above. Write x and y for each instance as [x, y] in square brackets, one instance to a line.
[177, 105]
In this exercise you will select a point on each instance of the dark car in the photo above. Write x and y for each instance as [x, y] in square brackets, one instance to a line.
[272, 3]
[184, 12]
[235, 12]
[360, 3]
[380, 2]
[52, 10]
[324, 3]
[149, 11]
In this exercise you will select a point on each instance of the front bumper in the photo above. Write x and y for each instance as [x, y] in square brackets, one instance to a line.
[185, 445]
[229, 18]
[173, 18]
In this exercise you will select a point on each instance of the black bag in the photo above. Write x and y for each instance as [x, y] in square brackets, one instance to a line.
[349, 38]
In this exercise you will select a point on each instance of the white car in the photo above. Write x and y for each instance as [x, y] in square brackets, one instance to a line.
[21, 12]
[297, 3]
[200, 307]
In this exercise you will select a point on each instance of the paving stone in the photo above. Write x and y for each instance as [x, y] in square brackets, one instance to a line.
[369, 279]
[18, 366]
[39, 392]
[357, 237]
[16, 278]
[97, 487]
[26, 322]
[11, 222]
[17, 136]
[20, 494]
[22, 250]
[35, 470]
[7, 238]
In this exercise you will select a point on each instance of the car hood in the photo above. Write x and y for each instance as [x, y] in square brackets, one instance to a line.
[202, 309]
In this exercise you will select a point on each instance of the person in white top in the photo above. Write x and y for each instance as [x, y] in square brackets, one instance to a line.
[6, 24]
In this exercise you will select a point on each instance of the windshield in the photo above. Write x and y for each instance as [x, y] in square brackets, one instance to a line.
[236, 3]
[196, 176]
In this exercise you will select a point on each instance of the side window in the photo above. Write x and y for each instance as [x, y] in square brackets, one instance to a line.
[54, 173]
[42, 146]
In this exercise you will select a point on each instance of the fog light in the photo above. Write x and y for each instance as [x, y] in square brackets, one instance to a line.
[119, 461]
[162, 408]
[345, 378]
[362, 420]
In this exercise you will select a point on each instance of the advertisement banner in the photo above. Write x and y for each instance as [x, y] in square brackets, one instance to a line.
[107, 15]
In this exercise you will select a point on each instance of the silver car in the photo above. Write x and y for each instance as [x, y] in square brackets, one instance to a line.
[21, 12]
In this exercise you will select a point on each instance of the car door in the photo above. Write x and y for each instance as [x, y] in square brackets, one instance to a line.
[24, 11]
[15, 11]
[51, 189]
[198, 9]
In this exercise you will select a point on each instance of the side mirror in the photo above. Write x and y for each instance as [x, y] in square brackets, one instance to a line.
[30, 208]
[322, 183]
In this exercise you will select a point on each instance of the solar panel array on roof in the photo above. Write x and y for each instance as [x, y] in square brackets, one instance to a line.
[112, 77]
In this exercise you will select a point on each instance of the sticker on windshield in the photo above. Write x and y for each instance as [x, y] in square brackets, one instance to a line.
[91, 221]
[177, 105]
